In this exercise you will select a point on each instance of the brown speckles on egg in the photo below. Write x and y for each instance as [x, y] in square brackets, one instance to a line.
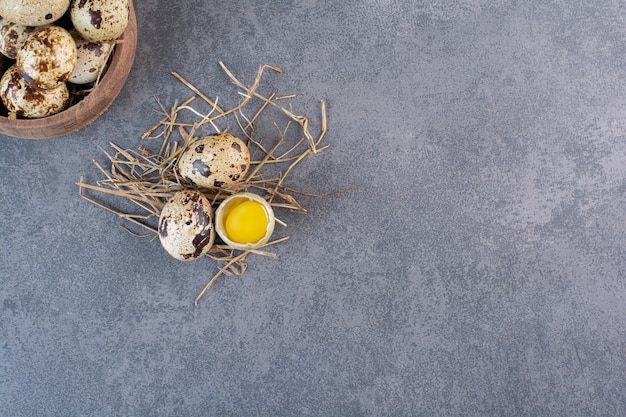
[12, 37]
[96, 47]
[215, 161]
[96, 18]
[186, 225]
[9, 44]
[200, 168]
[14, 78]
[193, 197]
[201, 243]
[43, 66]
[24, 100]
[100, 20]
[33, 12]
[91, 59]
[48, 57]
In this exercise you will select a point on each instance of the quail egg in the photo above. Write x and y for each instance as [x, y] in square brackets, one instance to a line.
[48, 57]
[100, 20]
[91, 58]
[12, 37]
[27, 101]
[185, 226]
[33, 12]
[215, 161]
[244, 221]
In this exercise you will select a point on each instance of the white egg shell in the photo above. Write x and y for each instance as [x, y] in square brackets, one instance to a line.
[186, 228]
[215, 161]
[24, 100]
[91, 58]
[33, 12]
[48, 57]
[12, 37]
[227, 205]
[100, 20]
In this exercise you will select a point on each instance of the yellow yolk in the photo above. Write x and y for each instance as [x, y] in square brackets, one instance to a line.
[246, 222]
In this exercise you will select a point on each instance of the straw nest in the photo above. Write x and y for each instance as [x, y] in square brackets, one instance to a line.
[148, 178]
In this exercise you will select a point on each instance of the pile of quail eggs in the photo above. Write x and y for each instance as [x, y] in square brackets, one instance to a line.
[188, 223]
[47, 45]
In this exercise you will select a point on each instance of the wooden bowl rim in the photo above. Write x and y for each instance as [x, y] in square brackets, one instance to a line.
[93, 105]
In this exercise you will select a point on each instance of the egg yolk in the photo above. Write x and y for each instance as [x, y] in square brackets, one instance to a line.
[246, 222]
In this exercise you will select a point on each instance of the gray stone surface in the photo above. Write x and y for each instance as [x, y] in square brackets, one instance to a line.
[478, 269]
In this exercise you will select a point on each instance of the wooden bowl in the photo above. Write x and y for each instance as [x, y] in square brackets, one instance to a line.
[89, 108]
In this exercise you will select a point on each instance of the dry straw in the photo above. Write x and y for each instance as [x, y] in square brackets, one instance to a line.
[148, 179]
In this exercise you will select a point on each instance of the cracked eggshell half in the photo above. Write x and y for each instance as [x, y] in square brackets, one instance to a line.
[215, 161]
[47, 58]
[186, 228]
[226, 208]
[33, 12]
[26, 101]
[91, 58]
[100, 20]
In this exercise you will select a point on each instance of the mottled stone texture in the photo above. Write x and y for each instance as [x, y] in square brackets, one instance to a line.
[478, 268]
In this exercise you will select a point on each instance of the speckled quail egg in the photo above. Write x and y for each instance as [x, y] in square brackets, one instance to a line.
[91, 58]
[33, 12]
[244, 221]
[12, 37]
[24, 100]
[48, 57]
[100, 20]
[215, 161]
[186, 228]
